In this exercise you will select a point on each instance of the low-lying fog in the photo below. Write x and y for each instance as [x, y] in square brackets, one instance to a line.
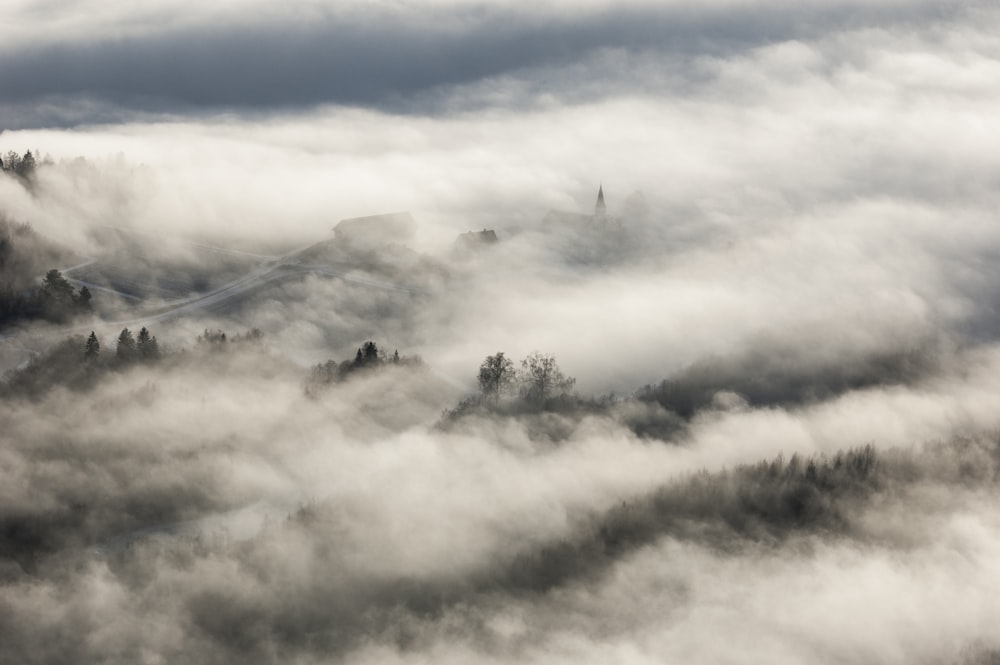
[782, 440]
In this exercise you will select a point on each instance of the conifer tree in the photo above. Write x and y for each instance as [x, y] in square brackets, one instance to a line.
[83, 298]
[93, 348]
[125, 351]
[146, 346]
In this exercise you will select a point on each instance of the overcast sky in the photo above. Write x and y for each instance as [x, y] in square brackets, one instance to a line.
[66, 62]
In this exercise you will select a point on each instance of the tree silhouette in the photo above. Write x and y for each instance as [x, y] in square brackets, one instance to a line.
[146, 345]
[367, 355]
[83, 298]
[125, 351]
[27, 165]
[18, 165]
[55, 286]
[57, 297]
[496, 376]
[541, 378]
[93, 347]
[11, 161]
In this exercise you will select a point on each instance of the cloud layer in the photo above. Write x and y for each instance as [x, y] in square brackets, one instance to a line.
[810, 268]
[177, 58]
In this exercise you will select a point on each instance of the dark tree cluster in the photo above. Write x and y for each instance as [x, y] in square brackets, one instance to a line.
[131, 349]
[497, 377]
[20, 165]
[24, 255]
[538, 385]
[662, 410]
[217, 340]
[538, 380]
[368, 358]
[771, 376]
[764, 504]
[60, 301]
[78, 362]
[55, 300]
[532, 393]
[763, 501]
[66, 364]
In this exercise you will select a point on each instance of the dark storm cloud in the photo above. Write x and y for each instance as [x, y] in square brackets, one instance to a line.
[382, 60]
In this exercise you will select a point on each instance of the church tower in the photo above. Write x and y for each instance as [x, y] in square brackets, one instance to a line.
[600, 210]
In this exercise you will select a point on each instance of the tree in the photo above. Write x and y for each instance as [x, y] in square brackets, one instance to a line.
[83, 298]
[55, 286]
[26, 166]
[125, 351]
[93, 347]
[11, 162]
[367, 355]
[212, 339]
[496, 376]
[56, 296]
[541, 378]
[146, 345]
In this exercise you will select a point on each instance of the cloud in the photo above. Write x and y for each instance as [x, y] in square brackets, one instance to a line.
[815, 271]
[414, 544]
[382, 57]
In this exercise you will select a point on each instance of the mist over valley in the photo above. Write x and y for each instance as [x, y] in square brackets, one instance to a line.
[500, 332]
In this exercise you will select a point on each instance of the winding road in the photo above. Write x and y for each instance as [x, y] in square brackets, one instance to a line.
[271, 269]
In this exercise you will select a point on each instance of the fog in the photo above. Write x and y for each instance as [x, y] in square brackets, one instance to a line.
[781, 443]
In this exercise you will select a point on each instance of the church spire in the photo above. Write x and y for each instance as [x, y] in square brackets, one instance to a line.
[600, 210]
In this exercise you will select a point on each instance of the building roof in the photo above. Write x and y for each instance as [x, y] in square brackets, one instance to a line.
[476, 239]
[380, 229]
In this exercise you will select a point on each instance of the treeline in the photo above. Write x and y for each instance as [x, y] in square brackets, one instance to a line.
[537, 384]
[760, 505]
[55, 300]
[367, 359]
[763, 503]
[535, 392]
[22, 166]
[78, 362]
[771, 375]
[216, 340]
[23, 256]
[537, 387]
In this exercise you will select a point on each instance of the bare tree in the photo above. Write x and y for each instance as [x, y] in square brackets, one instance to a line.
[540, 378]
[496, 376]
